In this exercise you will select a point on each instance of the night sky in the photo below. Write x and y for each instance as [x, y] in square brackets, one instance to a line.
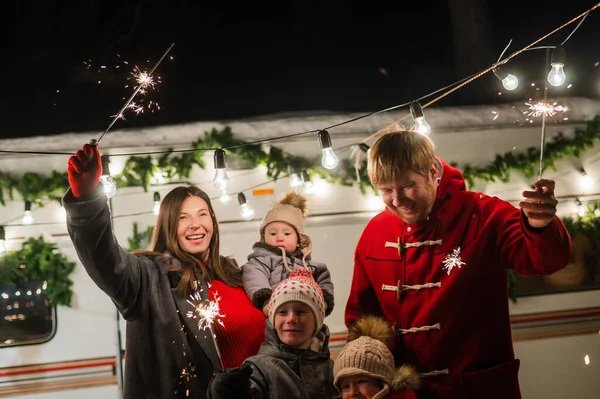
[242, 59]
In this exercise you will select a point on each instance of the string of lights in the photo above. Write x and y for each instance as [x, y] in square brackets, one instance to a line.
[580, 199]
[491, 68]
[449, 89]
[329, 158]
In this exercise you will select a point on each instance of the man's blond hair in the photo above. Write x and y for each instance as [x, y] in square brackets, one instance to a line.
[397, 152]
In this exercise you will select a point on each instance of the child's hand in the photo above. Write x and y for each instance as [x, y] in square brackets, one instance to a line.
[232, 383]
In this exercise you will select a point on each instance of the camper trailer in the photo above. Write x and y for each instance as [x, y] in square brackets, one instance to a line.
[77, 351]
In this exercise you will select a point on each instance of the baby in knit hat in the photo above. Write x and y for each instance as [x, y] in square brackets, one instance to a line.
[365, 367]
[294, 361]
[283, 247]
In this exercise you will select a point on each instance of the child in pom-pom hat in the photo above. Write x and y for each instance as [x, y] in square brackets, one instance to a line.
[283, 247]
[365, 366]
[294, 361]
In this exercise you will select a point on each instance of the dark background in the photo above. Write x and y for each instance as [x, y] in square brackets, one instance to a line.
[242, 59]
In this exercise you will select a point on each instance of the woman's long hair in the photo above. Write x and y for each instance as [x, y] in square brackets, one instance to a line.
[165, 241]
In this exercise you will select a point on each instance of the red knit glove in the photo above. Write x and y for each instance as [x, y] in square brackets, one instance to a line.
[84, 170]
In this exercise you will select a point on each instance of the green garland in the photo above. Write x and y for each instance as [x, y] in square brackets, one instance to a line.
[560, 147]
[587, 225]
[41, 261]
[140, 240]
[139, 170]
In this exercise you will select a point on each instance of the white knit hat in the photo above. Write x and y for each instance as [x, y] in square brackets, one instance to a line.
[367, 353]
[290, 209]
[299, 286]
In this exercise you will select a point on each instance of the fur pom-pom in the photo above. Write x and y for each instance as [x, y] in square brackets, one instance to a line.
[261, 297]
[329, 302]
[405, 377]
[371, 326]
[296, 200]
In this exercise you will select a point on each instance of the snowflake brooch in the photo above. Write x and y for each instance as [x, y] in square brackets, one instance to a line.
[453, 260]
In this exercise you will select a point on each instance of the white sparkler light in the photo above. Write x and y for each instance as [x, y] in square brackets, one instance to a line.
[207, 312]
[547, 109]
[143, 78]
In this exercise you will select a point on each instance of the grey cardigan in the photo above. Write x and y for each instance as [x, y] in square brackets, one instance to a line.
[265, 269]
[163, 360]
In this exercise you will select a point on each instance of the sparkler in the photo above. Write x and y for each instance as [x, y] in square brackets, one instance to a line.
[544, 115]
[144, 81]
[207, 312]
[545, 109]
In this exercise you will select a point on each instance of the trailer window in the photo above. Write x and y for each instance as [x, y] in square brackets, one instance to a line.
[26, 315]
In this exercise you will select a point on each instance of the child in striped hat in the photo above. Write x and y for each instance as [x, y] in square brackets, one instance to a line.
[294, 360]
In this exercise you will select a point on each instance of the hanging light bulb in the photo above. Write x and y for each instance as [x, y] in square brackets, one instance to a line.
[63, 211]
[509, 81]
[156, 206]
[581, 211]
[364, 148]
[306, 182]
[28, 217]
[224, 198]
[421, 125]
[221, 180]
[556, 76]
[110, 187]
[159, 177]
[246, 212]
[329, 159]
[587, 182]
[2, 241]
[295, 180]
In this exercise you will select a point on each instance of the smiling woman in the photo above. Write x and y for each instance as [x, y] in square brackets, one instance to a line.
[179, 299]
[195, 226]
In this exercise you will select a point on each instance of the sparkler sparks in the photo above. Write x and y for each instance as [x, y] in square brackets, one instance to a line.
[141, 81]
[207, 312]
[187, 373]
[143, 78]
[144, 81]
[544, 109]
